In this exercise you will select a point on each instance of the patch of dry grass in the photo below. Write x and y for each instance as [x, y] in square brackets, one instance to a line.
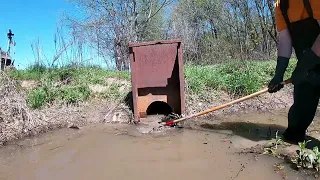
[14, 112]
[18, 121]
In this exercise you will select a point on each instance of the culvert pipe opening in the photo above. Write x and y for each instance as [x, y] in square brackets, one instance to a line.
[159, 108]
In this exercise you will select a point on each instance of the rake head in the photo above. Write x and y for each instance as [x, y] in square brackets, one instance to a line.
[170, 117]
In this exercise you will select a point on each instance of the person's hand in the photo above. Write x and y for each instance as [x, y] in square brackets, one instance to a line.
[276, 82]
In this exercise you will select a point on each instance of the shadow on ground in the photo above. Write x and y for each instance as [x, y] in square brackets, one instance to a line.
[128, 100]
[314, 142]
[255, 131]
[248, 130]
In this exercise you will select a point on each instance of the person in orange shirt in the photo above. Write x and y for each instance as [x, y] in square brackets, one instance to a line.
[298, 24]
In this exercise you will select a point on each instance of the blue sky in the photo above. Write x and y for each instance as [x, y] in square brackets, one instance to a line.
[30, 20]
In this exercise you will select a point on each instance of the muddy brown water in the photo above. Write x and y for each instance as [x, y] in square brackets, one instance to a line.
[119, 152]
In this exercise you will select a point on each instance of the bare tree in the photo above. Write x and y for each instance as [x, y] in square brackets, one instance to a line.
[212, 31]
[110, 25]
[216, 30]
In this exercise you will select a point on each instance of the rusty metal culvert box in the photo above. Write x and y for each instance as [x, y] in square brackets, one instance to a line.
[157, 76]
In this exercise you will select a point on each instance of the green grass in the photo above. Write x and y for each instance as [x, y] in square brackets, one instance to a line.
[236, 78]
[113, 93]
[40, 96]
[79, 75]
[76, 91]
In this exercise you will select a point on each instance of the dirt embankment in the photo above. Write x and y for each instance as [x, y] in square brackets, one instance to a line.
[255, 120]
[18, 121]
[264, 102]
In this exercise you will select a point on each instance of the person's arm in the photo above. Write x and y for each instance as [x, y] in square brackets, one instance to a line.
[284, 52]
[316, 45]
[285, 44]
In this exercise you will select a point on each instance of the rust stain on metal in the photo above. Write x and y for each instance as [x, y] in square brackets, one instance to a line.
[157, 75]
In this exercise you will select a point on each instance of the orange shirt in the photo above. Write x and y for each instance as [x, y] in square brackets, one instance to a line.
[296, 12]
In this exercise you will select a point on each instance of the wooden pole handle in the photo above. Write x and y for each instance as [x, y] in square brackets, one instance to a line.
[228, 104]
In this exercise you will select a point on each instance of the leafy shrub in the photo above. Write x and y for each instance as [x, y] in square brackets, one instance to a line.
[37, 98]
[75, 94]
[236, 78]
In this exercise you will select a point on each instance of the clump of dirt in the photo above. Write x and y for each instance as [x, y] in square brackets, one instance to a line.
[98, 88]
[122, 82]
[29, 84]
[105, 111]
[111, 85]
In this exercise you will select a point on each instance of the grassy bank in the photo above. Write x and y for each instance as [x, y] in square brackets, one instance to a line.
[74, 84]
[69, 85]
[79, 75]
[43, 99]
[235, 78]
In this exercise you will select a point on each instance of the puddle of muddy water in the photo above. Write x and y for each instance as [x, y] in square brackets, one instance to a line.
[119, 152]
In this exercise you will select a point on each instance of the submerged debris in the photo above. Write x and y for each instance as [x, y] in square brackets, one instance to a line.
[73, 126]
[171, 116]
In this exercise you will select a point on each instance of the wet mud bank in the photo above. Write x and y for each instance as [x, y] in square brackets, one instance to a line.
[17, 121]
[225, 148]
[258, 133]
[116, 152]
[226, 144]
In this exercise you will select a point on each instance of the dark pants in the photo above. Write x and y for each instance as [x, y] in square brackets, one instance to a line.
[301, 114]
